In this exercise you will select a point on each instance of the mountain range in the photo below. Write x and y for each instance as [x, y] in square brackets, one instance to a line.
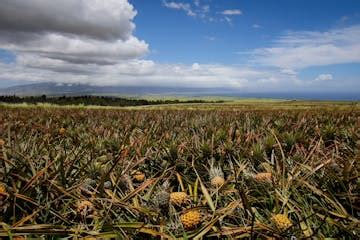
[56, 89]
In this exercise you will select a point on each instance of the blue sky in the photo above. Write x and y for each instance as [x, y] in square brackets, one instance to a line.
[175, 36]
[263, 45]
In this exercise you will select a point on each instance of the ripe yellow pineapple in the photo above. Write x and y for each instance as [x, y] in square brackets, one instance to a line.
[263, 177]
[216, 177]
[138, 176]
[190, 219]
[217, 181]
[2, 142]
[178, 198]
[281, 221]
[62, 131]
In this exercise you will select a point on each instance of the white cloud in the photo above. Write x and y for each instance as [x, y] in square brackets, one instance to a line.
[110, 19]
[271, 80]
[256, 26]
[79, 49]
[83, 46]
[210, 38]
[231, 12]
[324, 77]
[288, 71]
[140, 73]
[297, 50]
[195, 66]
[227, 14]
[197, 10]
[205, 8]
[180, 6]
[228, 20]
[84, 32]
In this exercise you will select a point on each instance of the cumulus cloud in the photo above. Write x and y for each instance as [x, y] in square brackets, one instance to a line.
[111, 19]
[139, 72]
[298, 50]
[77, 49]
[324, 77]
[89, 31]
[92, 42]
[231, 12]
[73, 42]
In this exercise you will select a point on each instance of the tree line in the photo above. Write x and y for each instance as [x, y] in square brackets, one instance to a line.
[92, 100]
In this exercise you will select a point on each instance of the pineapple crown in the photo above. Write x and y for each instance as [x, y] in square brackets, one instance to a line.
[215, 171]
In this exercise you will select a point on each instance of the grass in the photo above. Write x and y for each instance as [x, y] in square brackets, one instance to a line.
[228, 104]
[259, 104]
[287, 168]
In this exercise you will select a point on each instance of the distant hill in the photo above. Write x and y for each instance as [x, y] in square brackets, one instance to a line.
[54, 89]
[47, 89]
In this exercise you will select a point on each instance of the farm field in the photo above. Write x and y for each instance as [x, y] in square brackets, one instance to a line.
[239, 169]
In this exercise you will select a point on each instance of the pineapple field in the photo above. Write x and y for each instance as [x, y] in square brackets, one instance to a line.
[201, 171]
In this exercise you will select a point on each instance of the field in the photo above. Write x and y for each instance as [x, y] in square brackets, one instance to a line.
[245, 169]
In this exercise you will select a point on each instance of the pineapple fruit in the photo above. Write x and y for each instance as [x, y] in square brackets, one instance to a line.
[216, 177]
[62, 131]
[178, 198]
[281, 221]
[190, 219]
[138, 176]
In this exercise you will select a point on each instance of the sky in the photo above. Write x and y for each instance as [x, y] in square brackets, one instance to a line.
[245, 45]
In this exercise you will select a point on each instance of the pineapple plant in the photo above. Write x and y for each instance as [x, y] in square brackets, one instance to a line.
[269, 143]
[318, 172]
[257, 153]
[205, 151]
[290, 139]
